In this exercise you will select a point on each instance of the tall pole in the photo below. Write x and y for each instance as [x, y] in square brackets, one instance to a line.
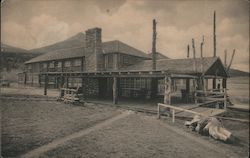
[214, 79]
[214, 34]
[202, 43]
[154, 46]
[225, 58]
[193, 45]
[188, 51]
[194, 56]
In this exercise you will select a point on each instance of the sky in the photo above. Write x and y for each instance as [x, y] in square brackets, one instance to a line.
[31, 24]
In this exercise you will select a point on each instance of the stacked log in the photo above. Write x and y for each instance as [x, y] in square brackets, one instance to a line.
[210, 126]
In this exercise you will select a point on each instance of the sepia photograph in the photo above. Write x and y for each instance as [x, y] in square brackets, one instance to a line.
[124, 79]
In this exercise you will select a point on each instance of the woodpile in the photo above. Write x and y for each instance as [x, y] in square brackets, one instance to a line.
[69, 95]
[210, 126]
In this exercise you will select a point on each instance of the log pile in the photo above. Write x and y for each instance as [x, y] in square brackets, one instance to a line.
[69, 95]
[210, 126]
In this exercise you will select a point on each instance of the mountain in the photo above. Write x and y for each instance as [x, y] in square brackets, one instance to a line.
[13, 57]
[77, 40]
[8, 48]
[238, 73]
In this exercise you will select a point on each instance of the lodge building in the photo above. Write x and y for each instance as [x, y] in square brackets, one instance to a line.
[114, 69]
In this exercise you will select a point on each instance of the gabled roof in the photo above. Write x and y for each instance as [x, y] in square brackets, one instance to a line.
[59, 54]
[183, 66]
[118, 46]
[158, 56]
[108, 47]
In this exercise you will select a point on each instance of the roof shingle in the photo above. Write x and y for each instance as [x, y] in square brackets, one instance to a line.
[108, 47]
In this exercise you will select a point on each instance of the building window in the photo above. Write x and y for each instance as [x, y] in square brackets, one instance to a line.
[109, 61]
[77, 62]
[125, 59]
[67, 63]
[44, 65]
[29, 67]
[58, 64]
[51, 65]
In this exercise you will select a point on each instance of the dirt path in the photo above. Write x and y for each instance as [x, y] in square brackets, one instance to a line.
[56, 143]
[140, 136]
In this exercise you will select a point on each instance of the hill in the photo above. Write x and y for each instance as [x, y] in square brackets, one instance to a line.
[74, 41]
[238, 73]
[8, 48]
[13, 57]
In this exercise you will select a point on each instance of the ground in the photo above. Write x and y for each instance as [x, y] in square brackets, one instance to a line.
[42, 128]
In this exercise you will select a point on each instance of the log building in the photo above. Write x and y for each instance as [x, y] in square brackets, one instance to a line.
[114, 69]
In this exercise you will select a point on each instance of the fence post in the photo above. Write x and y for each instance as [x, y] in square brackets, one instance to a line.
[159, 112]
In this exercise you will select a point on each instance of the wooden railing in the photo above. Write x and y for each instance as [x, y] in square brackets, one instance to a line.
[212, 95]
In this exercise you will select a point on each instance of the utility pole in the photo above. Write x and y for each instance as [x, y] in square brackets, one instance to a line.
[231, 61]
[214, 34]
[225, 58]
[188, 51]
[193, 45]
[202, 43]
[154, 46]
[214, 79]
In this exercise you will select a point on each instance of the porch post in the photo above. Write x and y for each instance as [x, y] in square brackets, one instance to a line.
[195, 91]
[67, 82]
[45, 84]
[187, 89]
[167, 90]
[115, 90]
[83, 89]
[214, 83]
[224, 83]
[225, 98]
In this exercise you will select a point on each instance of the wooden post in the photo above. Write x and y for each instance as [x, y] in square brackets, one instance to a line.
[214, 34]
[230, 63]
[159, 112]
[225, 58]
[167, 90]
[187, 89]
[154, 46]
[195, 91]
[67, 82]
[114, 90]
[225, 98]
[202, 43]
[173, 115]
[214, 79]
[194, 56]
[224, 83]
[188, 51]
[45, 84]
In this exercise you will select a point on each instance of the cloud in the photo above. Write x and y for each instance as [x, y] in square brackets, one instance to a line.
[40, 31]
[33, 24]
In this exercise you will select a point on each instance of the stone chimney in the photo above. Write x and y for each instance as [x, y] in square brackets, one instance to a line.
[93, 50]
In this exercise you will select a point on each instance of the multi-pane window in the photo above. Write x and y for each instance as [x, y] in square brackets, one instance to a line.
[51, 65]
[67, 64]
[109, 61]
[125, 59]
[58, 64]
[44, 65]
[135, 86]
[77, 62]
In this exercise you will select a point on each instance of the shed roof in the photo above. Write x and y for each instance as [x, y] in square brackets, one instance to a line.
[207, 65]
[108, 47]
